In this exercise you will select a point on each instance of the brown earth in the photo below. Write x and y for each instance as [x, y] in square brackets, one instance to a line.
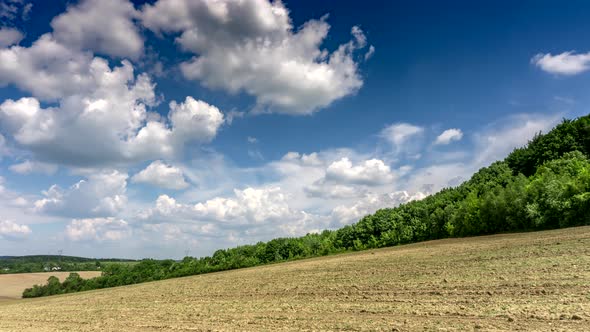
[529, 281]
[13, 285]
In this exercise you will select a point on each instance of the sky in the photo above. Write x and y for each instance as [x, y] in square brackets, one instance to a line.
[154, 129]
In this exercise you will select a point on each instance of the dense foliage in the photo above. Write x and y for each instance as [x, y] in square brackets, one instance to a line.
[42, 263]
[544, 185]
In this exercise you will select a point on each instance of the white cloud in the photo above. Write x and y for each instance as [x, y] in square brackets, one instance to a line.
[251, 204]
[26, 11]
[19, 202]
[399, 133]
[9, 36]
[28, 167]
[248, 206]
[161, 175]
[251, 212]
[370, 52]
[12, 9]
[449, 136]
[102, 115]
[103, 26]
[312, 159]
[98, 229]
[194, 120]
[110, 125]
[11, 230]
[252, 46]
[87, 127]
[252, 139]
[50, 70]
[370, 172]
[347, 214]
[566, 63]
[342, 179]
[102, 194]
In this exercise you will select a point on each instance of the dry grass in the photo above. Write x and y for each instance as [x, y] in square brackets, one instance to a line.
[531, 281]
[13, 285]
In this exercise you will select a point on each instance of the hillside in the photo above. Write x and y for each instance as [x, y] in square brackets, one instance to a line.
[531, 281]
[544, 185]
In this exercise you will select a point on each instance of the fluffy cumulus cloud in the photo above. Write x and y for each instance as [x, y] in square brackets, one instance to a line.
[98, 229]
[448, 136]
[161, 175]
[100, 115]
[47, 69]
[319, 182]
[9, 36]
[248, 206]
[194, 120]
[341, 186]
[342, 179]
[110, 124]
[251, 212]
[566, 63]
[88, 126]
[101, 194]
[61, 63]
[11, 230]
[370, 172]
[252, 46]
[103, 26]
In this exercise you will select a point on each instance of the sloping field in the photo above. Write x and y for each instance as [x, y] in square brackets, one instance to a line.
[13, 285]
[531, 281]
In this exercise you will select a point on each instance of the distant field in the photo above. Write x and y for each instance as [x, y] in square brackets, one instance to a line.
[13, 285]
[529, 281]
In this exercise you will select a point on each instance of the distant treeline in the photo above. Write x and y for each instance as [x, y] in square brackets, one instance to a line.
[42, 263]
[544, 185]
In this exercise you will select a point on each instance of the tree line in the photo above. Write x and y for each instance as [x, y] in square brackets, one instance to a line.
[42, 263]
[544, 185]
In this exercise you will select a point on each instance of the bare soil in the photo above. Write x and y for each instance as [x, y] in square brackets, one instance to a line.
[528, 281]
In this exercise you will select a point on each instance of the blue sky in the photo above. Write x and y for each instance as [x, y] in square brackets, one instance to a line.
[134, 129]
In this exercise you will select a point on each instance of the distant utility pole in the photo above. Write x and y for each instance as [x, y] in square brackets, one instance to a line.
[186, 252]
[59, 252]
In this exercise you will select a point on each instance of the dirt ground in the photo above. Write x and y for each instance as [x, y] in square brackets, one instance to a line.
[529, 281]
[13, 285]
